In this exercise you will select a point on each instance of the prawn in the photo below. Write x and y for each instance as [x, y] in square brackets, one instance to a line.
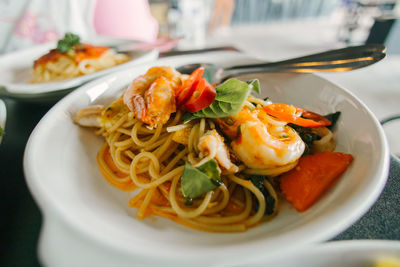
[212, 145]
[151, 97]
[88, 117]
[260, 141]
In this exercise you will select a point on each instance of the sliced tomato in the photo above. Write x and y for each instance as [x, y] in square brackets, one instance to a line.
[202, 97]
[188, 87]
[295, 115]
[186, 93]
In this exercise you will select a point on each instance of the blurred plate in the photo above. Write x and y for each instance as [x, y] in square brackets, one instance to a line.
[16, 67]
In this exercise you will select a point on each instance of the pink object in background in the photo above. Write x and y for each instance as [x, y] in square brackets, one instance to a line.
[126, 19]
[36, 27]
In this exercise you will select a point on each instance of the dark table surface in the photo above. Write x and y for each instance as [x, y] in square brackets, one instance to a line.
[21, 224]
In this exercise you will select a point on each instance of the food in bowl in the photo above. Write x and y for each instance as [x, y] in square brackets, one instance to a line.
[72, 58]
[214, 158]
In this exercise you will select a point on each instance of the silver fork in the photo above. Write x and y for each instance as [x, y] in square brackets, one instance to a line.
[337, 60]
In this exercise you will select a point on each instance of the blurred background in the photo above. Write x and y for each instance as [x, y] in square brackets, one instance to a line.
[199, 23]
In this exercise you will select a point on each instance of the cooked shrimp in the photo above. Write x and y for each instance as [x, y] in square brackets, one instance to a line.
[212, 145]
[151, 97]
[89, 116]
[262, 142]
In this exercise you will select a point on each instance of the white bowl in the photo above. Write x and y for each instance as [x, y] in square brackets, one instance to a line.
[88, 223]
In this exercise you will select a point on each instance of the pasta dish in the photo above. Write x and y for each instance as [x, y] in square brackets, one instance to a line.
[212, 157]
[72, 59]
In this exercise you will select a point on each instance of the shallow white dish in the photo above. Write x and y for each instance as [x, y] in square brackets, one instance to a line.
[88, 222]
[16, 68]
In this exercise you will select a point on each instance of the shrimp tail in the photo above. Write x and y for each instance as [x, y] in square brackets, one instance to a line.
[139, 107]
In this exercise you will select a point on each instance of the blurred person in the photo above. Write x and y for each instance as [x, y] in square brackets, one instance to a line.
[25, 23]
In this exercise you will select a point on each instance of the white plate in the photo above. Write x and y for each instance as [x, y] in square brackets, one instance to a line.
[89, 222]
[16, 68]
[349, 253]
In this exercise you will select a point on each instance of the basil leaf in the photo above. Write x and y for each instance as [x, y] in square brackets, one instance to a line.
[306, 135]
[68, 43]
[258, 182]
[196, 182]
[210, 168]
[333, 118]
[229, 100]
[224, 106]
[188, 117]
[255, 85]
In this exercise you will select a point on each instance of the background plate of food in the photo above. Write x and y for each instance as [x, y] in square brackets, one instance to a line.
[53, 67]
[89, 220]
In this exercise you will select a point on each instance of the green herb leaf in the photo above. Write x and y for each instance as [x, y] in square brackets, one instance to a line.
[68, 43]
[210, 168]
[306, 135]
[229, 100]
[258, 182]
[255, 85]
[189, 202]
[333, 117]
[196, 182]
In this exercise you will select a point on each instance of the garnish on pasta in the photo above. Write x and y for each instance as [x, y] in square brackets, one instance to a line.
[217, 164]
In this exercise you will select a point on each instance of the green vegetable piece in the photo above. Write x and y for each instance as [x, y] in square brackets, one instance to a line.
[255, 85]
[189, 202]
[306, 135]
[68, 43]
[1, 131]
[333, 118]
[210, 168]
[233, 91]
[258, 182]
[216, 109]
[196, 182]
[188, 117]
[224, 106]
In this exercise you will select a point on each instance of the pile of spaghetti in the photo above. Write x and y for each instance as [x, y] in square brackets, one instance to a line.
[212, 158]
[72, 59]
